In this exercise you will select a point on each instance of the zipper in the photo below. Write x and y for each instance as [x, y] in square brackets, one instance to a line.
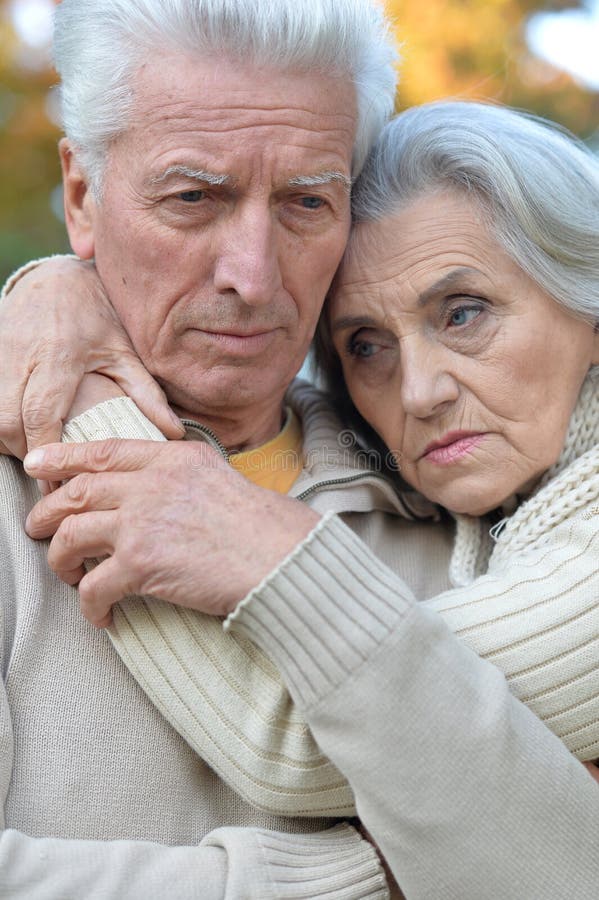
[212, 438]
[314, 488]
[348, 479]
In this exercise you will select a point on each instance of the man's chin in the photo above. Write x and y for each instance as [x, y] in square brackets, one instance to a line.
[228, 386]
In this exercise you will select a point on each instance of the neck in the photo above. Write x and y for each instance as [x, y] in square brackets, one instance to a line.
[239, 431]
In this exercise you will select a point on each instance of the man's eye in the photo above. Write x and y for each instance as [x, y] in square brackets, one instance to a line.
[191, 196]
[462, 315]
[312, 202]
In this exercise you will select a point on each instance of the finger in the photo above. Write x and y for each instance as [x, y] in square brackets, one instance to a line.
[5, 451]
[81, 537]
[13, 441]
[57, 462]
[46, 487]
[47, 399]
[100, 589]
[135, 380]
[84, 493]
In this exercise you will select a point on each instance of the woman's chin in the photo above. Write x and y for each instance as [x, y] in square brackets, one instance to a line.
[475, 504]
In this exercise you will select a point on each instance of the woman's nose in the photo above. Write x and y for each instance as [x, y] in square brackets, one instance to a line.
[428, 383]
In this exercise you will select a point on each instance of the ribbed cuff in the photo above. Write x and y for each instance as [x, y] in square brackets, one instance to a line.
[28, 267]
[117, 417]
[336, 865]
[324, 611]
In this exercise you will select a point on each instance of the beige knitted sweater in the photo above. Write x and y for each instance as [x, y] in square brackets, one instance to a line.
[421, 727]
[528, 600]
[101, 796]
[114, 769]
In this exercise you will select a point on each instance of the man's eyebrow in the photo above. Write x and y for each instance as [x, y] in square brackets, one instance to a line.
[189, 172]
[319, 179]
[452, 279]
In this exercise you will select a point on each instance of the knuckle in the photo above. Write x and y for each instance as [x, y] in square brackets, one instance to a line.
[103, 453]
[68, 533]
[56, 348]
[78, 490]
[37, 415]
[87, 595]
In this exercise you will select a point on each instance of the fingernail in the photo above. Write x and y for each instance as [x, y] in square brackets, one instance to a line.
[34, 459]
[176, 420]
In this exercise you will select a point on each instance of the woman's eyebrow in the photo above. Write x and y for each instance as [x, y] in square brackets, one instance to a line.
[343, 322]
[451, 280]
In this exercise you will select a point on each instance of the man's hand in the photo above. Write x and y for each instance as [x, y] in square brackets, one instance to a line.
[56, 324]
[175, 520]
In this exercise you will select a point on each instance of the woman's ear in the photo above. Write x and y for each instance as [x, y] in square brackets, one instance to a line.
[79, 204]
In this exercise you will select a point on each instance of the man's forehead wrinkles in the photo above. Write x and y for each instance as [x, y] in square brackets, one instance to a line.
[224, 117]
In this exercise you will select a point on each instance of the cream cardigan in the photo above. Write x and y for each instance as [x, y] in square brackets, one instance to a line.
[528, 601]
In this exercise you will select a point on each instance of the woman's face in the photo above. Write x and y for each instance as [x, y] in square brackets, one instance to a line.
[466, 368]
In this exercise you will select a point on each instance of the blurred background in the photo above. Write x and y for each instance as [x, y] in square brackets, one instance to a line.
[539, 56]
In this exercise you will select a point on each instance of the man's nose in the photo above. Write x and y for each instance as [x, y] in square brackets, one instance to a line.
[248, 262]
[428, 383]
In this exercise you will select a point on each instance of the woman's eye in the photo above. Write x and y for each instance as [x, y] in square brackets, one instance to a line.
[361, 349]
[462, 315]
[191, 196]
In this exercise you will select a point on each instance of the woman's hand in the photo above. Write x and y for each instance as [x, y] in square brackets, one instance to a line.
[593, 770]
[174, 519]
[93, 389]
[56, 324]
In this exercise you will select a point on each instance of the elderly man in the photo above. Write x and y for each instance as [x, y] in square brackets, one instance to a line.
[206, 167]
[215, 205]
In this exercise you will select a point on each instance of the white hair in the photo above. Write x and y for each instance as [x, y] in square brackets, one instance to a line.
[99, 44]
[538, 187]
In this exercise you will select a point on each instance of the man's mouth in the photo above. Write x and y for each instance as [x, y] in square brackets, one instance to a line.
[239, 343]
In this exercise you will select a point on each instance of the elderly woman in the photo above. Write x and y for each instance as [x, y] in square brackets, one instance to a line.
[464, 322]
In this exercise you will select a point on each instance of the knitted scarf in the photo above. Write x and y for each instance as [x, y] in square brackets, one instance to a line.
[572, 482]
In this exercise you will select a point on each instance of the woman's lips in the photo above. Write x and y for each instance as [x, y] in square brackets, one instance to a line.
[452, 446]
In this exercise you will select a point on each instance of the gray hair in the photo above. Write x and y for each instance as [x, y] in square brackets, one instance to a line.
[98, 45]
[537, 185]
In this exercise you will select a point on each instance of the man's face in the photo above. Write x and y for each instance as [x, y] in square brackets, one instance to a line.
[224, 214]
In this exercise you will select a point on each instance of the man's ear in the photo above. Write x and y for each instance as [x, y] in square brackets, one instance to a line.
[79, 204]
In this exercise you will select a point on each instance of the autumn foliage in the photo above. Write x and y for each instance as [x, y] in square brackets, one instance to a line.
[460, 48]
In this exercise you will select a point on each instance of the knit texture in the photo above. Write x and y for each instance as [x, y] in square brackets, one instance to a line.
[528, 602]
[445, 764]
[99, 796]
[227, 699]
[537, 615]
[222, 693]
